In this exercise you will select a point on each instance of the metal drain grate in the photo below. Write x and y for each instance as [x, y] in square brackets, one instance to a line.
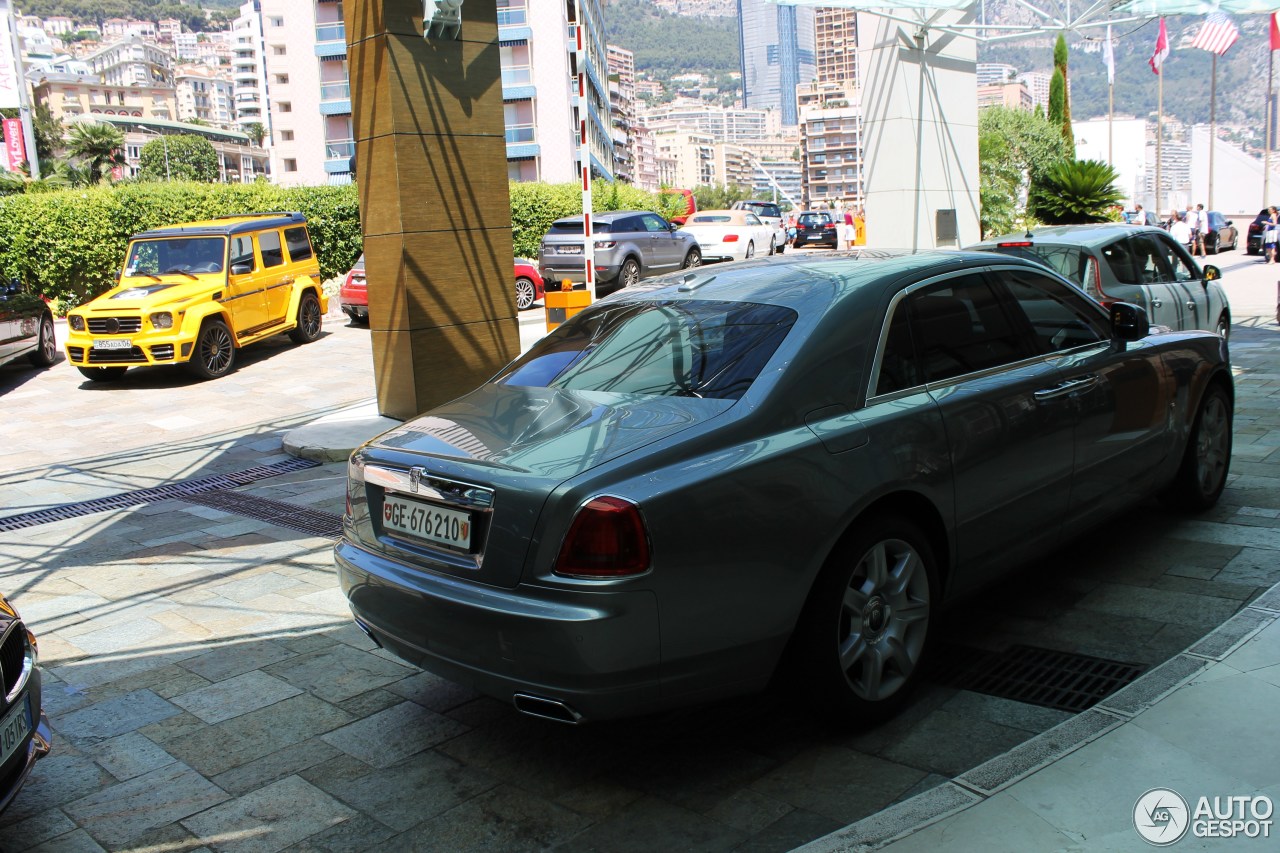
[1053, 679]
[155, 494]
[279, 513]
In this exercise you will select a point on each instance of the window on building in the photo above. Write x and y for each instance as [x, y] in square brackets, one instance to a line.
[285, 106]
[282, 79]
[290, 165]
[278, 50]
[275, 21]
[286, 136]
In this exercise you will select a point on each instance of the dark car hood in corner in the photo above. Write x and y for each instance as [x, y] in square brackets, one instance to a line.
[545, 431]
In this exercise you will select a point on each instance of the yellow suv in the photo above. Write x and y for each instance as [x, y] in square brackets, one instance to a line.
[193, 294]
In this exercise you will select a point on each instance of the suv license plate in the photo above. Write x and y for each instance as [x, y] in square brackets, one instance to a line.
[427, 521]
[568, 250]
[113, 343]
[13, 728]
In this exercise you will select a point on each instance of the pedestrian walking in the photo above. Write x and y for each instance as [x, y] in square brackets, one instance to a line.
[1271, 233]
[848, 227]
[1200, 229]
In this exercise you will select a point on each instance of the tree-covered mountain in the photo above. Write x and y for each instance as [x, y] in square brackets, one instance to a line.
[666, 44]
[96, 11]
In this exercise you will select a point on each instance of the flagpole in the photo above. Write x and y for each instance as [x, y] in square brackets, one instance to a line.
[1266, 133]
[1111, 114]
[1213, 121]
[1159, 140]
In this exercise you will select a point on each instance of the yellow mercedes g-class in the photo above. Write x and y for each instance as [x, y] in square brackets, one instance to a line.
[194, 294]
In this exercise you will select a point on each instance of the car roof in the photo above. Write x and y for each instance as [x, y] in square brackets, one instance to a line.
[732, 217]
[1070, 235]
[606, 216]
[222, 226]
[797, 280]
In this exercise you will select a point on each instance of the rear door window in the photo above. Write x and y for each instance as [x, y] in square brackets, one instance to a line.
[269, 247]
[1150, 260]
[1120, 261]
[1066, 261]
[960, 327]
[299, 244]
[899, 368]
[712, 350]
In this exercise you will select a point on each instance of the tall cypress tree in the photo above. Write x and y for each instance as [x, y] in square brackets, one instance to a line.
[1060, 67]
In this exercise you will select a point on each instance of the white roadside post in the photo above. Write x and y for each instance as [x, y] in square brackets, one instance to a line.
[584, 152]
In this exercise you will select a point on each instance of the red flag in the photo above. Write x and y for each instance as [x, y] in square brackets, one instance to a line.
[1275, 31]
[1162, 49]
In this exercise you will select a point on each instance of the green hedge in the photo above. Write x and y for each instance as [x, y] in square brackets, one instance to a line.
[66, 244]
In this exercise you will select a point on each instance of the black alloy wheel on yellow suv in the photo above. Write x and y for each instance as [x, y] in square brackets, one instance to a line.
[309, 320]
[215, 351]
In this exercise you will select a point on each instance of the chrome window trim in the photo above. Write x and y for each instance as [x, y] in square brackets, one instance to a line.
[872, 398]
[28, 661]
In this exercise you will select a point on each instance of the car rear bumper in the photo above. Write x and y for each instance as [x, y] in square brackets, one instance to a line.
[597, 652]
[39, 744]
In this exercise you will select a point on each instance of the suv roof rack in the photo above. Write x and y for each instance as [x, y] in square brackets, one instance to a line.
[289, 213]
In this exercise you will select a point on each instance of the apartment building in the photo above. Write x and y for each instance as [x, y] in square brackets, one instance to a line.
[204, 94]
[542, 112]
[831, 156]
[692, 155]
[835, 39]
[622, 110]
[133, 62]
[725, 124]
[1010, 94]
[71, 95]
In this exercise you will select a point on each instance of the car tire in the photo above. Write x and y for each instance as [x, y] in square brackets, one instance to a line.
[46, 351]
[309, 320]
[629, 274]
[1207, 458]
[1249, 250]
[1224, 326]
[214, 353]
[693, 259]
[751, 251]
[526, 293]
[1217, 245]
[864, 630]
[773, 247]
[782, 247]
[102, 374]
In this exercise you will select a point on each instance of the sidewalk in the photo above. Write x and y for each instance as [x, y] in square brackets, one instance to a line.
[1204, 724]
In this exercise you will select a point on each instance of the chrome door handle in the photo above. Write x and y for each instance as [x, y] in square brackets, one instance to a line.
[1191, 305]
[1069, 387]
[1156, 303]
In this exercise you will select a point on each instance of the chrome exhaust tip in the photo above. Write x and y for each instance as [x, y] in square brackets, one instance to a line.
[368, 632]
[546, 709]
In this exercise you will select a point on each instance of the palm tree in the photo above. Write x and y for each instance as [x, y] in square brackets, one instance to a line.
[97, 145]
[256, 131]
[1075, 191]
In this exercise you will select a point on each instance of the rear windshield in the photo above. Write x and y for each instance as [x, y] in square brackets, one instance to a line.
[568, 226]
[670, 348]
[704, 218]
[814, 218]
[1066, 261]
[764, 209]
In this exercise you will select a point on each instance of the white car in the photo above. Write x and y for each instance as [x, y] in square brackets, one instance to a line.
[730, 235]
[770, 214]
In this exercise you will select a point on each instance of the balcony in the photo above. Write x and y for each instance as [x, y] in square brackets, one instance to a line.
[335, 99]
[513, 25]
[331, 41]
[517, 83]
[521, 133]
[338, 154]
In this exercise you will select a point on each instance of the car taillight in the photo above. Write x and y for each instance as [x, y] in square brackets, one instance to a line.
[730, 238]
[830, 226]
[1017, 244]
[606, 540]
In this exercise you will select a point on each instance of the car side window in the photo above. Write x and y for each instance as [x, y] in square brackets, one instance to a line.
[1149, 260]
[899, 368]
[752, 219]
[654, 223]
[269, 246]
[299, 244]
[242, 250]
[960, 327]
[1059, 318]
[1177, 265]
[1119, 258]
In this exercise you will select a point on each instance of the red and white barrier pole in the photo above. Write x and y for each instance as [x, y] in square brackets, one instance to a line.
[584, 151]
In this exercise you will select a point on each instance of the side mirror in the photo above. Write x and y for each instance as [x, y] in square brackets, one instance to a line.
[1212, 273]
[1128, 322]
[241, 269]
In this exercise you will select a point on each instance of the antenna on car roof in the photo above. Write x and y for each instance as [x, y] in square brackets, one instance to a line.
[1029, 235]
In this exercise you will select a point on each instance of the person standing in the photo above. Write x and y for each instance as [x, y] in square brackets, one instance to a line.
[1271, 234]
[848, 227]
[1180, 230]
[1201, 229]
[1139, 215]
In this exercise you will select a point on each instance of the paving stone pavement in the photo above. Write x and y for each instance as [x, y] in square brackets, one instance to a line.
[208, 691]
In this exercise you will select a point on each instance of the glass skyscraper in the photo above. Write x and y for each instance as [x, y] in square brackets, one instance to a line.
[777, 54]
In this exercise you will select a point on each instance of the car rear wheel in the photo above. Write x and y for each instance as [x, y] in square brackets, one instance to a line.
[1216, 246]
[630, 273]
[46, 351]
[773, 246]
[751, 251]
[102, 374]
[693, 259]
[1207, 458]
[864, 629]
[526, 293]
[310, 320]
[215, 351]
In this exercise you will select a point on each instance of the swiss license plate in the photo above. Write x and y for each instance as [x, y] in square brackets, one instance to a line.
[13, 728]
[427, 521]
[568, 250]
[112, 343]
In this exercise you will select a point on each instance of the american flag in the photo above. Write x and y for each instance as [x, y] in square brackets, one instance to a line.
[1216, 34]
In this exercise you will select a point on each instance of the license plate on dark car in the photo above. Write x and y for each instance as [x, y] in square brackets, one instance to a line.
[435, 524]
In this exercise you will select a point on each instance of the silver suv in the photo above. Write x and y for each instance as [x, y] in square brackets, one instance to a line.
[630, 245]
[1123, 263]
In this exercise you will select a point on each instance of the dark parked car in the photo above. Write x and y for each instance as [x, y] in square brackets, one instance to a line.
[24, 730]
[816, 227]
[26, 326]
[784, 464]
[629, 245]
[1253, 240]
[1221, 232]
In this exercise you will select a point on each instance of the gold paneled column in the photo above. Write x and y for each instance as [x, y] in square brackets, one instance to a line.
[431, 166]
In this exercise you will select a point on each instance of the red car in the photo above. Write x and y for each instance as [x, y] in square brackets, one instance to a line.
[354, 297]
[528, 283]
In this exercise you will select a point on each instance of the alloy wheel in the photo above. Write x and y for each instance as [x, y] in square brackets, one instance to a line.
[525, 294]
[310, 319]
[883, 620]
[693, 259]
[216, 349]
[1212, 443]
[630, 273]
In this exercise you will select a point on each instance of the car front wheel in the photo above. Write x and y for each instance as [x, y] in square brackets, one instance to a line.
[693, 259]
[1207, 458]
[46, 351]
[309, 320]
[215, 352]
[526, 293]
[864, 629]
